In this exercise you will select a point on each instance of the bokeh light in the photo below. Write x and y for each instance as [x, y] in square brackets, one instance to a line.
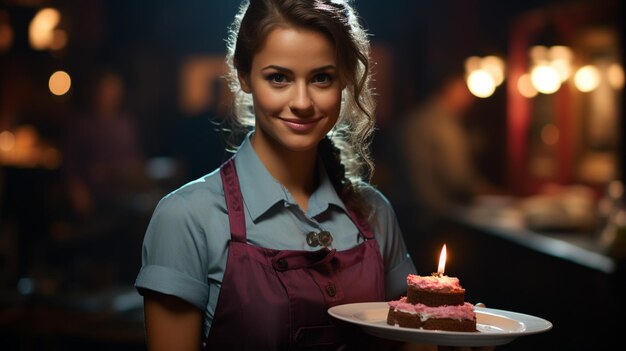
[59, 83]
[615, 76]
[41, 28]
[7, 141]
[495, 67]
[525, 86]
[545, 79]
[587, 78]
[481, 83]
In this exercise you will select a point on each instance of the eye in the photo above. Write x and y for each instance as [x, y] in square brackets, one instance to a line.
[276, 78]
[322, 79]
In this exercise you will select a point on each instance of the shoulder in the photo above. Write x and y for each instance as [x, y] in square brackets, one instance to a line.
[381, 208]
[195, 197]
[373, 195]
[192, 218]
[208, 184]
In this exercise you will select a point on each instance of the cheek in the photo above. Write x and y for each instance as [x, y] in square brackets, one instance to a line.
[330, 102]
[269, 101]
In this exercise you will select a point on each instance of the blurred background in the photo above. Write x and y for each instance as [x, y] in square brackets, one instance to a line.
[106, 106]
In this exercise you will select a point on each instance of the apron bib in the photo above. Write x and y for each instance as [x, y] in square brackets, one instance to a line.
[278, 299]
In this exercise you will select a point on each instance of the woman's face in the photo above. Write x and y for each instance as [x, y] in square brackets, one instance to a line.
[296, 90]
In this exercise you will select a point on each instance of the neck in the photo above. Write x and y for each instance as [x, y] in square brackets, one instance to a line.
[295, 170]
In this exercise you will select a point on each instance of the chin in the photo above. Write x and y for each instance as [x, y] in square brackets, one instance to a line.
[301, 143]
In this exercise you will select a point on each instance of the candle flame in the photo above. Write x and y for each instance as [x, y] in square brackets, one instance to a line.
[442, 260]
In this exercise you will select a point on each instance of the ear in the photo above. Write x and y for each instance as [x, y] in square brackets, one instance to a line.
[244, 81]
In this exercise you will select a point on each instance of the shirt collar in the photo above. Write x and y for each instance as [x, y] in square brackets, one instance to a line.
[324, 195]
[261, 191]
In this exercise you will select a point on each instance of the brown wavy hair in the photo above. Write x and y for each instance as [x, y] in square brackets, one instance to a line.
[345, 150]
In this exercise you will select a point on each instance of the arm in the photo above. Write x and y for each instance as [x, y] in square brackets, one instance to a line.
[171, 323]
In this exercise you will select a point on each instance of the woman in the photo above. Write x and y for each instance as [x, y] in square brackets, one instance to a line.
[251, 256]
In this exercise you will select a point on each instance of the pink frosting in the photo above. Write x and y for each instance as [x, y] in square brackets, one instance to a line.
[402, 305]
[465, 311]
[433, 282]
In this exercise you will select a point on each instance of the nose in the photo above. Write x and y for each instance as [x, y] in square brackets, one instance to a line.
[301, 103]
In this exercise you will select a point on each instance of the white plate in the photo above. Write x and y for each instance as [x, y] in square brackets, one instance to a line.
[495, 327]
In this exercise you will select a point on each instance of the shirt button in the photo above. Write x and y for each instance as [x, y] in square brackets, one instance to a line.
[282, 264]
[330, 290]
[325, 238]
[312, 239]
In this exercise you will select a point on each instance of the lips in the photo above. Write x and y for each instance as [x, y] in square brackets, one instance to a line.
[300, 125]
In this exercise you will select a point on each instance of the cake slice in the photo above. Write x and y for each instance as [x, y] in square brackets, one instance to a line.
[435, 302]
[419, 316]
[434, 290]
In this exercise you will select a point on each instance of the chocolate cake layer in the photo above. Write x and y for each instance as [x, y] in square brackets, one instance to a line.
[435, 298]
[403, 319]
[412, 320]
[462, 325]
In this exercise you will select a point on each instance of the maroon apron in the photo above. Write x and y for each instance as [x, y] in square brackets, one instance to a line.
[278, 299]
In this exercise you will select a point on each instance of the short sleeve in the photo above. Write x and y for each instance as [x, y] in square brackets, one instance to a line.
[174, 251]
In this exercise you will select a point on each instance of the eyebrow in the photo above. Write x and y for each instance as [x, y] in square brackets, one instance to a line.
[284, 69]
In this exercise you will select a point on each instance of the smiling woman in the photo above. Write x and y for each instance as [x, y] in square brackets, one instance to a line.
[297, 99]
[289, 224]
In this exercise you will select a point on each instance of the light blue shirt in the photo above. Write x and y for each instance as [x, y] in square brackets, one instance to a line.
[185, 247]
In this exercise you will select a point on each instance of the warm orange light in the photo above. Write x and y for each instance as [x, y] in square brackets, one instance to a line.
[41, 28]
[59, 83]
[442, 260]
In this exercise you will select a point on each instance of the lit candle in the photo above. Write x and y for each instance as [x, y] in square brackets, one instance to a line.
[436, 281]
[442, 261]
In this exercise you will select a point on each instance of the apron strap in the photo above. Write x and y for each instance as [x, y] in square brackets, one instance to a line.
[234, 201]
